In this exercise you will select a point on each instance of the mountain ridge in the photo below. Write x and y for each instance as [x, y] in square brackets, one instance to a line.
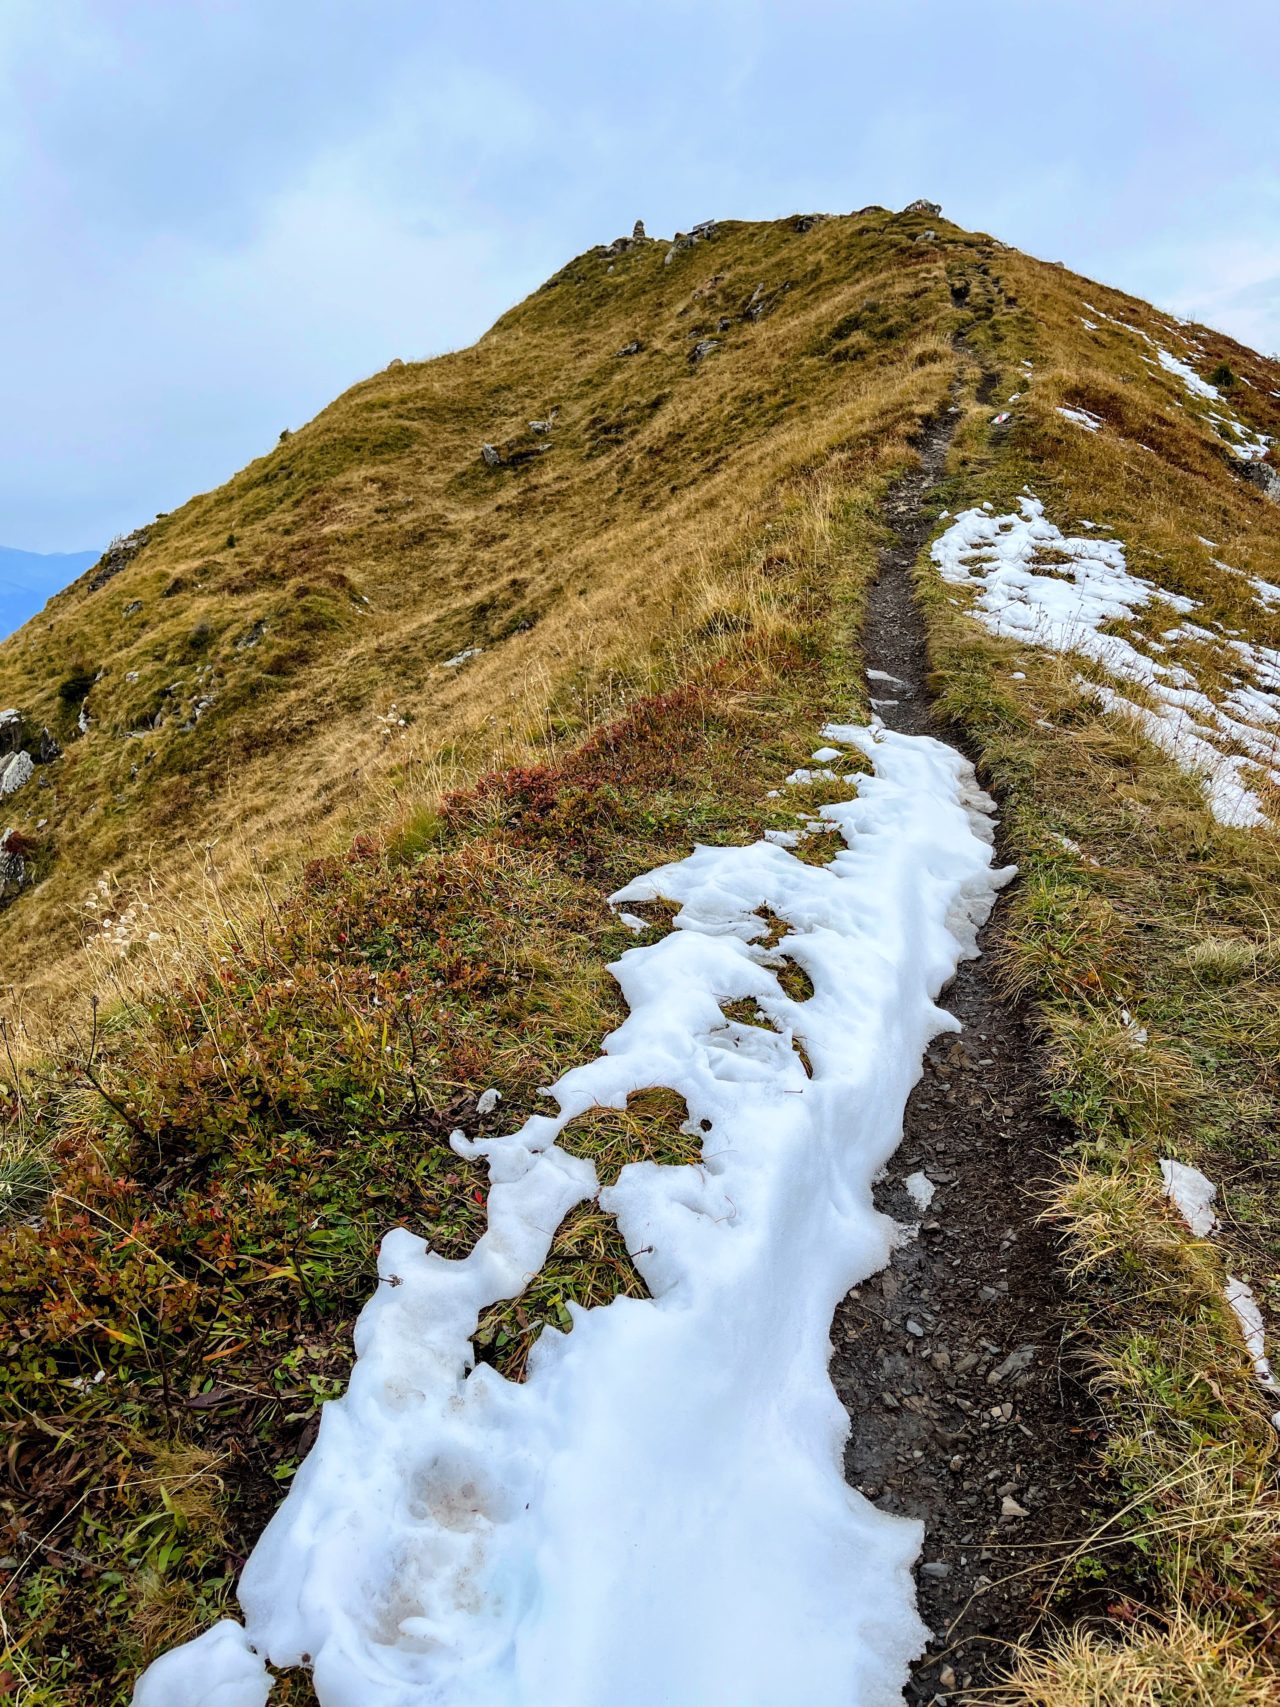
[352, 754]
[253, 596]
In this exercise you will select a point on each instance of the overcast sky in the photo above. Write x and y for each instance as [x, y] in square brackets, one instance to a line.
[217, 214]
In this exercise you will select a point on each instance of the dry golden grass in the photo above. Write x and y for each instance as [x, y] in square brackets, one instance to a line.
[1187, 1662]
[374, 545]
[1143, 931]
[679, 519]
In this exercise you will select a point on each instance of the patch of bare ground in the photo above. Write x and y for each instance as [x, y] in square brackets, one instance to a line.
[964, 1415]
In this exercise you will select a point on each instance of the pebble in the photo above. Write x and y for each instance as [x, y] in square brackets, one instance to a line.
[1009, 1507]
[1014, 1364]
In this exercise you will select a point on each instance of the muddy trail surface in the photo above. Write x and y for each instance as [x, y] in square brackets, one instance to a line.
[949, 1361]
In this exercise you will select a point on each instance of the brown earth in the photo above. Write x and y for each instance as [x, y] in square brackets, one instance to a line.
[949, 1361]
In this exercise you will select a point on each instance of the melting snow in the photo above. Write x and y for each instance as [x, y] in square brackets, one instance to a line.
[1251, 446]
[1242, 1301]
[1036, 584]
[1193, 1193]
[659, 1512]
[921, 1189]
[1082, 418]
[1190, 378]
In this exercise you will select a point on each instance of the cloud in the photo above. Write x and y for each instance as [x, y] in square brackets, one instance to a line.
[226, 212]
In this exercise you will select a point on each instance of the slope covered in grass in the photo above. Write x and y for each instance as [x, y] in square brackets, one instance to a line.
[667, 604]
[261, 669]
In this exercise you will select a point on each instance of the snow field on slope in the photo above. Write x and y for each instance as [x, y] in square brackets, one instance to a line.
[1243, 440]
[1036, 584]
[658, 1514]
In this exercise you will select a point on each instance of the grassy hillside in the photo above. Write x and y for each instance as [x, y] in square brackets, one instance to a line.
[246, 671]
[405, 860]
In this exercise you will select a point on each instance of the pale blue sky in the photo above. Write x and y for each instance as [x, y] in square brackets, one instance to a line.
[217, 214]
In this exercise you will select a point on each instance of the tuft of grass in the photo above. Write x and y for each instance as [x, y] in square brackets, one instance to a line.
[1139, 1662]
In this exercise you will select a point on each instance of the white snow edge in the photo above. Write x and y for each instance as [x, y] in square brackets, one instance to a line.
[659, 1513]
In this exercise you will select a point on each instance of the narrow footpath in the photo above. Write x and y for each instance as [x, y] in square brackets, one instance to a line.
[949, 1360]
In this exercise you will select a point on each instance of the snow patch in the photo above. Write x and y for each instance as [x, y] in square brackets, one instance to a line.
[921, 1189]
[1193, 1193]
[659, 1512]
[1034, 583]
[1082, 418]
[1242, 1301]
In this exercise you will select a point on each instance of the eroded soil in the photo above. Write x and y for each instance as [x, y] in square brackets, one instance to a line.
[949, 1361]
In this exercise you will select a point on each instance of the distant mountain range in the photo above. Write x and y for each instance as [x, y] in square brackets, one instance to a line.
[28, 578]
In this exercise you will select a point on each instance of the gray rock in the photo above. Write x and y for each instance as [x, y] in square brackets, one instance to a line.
[686, 239]
[703, 348]
[1014, 1364]
[806, 221]
[15, 770]
[637, 232]
[632, 349]
[920, 205]
[10, 732]
[13, 867]
[492, 456]
[1264, 477]
[118, 555]
[48, 749]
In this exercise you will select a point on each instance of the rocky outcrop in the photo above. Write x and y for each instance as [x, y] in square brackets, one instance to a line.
[16, 764]
[620, 245]
[703, 348]
[15, 771]
[1263, 476]
[492, 456]
[920, 205]
[632, 349]
[118, 555]
[686, 239]
[13, 865]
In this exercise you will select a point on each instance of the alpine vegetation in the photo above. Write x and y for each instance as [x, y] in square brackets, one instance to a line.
[640, 1016]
